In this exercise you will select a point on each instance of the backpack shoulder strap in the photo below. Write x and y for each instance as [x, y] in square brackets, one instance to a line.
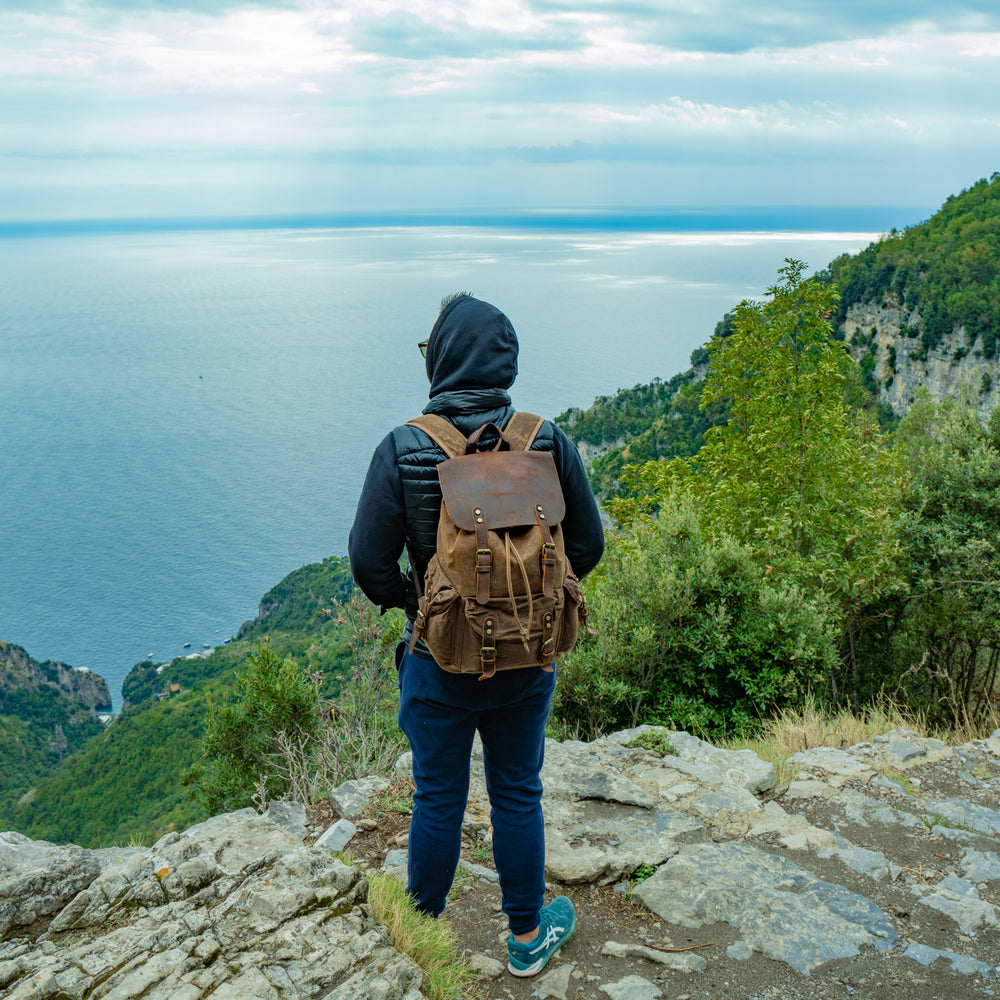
[442, 432]
[521, 430]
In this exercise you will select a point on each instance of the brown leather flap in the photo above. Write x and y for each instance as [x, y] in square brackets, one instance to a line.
[505, 485]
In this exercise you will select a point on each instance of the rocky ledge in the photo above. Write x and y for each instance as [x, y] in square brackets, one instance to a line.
[877, 864]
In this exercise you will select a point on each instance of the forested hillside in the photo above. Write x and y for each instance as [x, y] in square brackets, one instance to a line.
[126, 782]
[47, 712]
[946, 270]
[919, 308]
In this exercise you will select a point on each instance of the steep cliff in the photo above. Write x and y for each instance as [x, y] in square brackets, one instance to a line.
[885, 338]
[921, 308]
[19, 672]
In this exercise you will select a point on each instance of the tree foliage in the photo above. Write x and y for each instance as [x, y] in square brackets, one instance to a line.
[273, 696]
[798, 472]
[938, 639]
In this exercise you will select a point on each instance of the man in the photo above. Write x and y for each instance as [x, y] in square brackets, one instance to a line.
[471, 361]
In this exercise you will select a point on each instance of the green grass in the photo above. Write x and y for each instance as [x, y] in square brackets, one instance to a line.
[430, 943]
[932, 820]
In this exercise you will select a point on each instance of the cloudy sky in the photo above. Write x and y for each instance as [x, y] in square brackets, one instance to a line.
[115, 108]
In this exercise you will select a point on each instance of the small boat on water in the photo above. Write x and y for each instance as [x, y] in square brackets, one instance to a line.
[187, 645]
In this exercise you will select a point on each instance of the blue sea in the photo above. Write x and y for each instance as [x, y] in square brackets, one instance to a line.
[187, 416]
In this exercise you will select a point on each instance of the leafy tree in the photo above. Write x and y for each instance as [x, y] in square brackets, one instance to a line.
[944, 633]
[274, 696]
[798, 473]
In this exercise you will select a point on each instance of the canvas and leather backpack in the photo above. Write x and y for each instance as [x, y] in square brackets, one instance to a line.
[499, 592]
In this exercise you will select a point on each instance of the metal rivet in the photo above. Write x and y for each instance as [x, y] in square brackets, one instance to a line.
[541, 517]
[479, 520]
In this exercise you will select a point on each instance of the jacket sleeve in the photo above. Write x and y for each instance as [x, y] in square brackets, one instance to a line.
[583, 529]
[378, 534]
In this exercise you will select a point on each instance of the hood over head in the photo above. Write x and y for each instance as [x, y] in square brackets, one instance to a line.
[472, 346]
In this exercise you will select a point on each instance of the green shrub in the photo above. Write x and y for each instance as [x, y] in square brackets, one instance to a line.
[694, 635]
[274, 696]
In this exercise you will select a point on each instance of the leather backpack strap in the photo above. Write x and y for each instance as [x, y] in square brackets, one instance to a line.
[521, 430]
[442, 432]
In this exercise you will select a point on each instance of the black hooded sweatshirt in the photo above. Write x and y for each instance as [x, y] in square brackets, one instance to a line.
[471, 362]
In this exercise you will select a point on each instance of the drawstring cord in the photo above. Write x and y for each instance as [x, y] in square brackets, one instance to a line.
[521, 627]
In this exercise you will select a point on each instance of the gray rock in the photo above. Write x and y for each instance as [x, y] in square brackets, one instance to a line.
[397, 858]
[840, 765]
[631, 988]
[404, 765]
[182, 922]
[965, 814]
[712, 765]
[905, 751]
[959, 899]
[554, 985]
[740, 951]
[290, 815]
[685, 961]
[601, 842]
[980, 867]
[480, 872]
[335, 838]
[352, 797]
[576, 775]
[781, 910]
[964, 964]
[729, 800]
[484, 966]
[808, 789]
[38, 878]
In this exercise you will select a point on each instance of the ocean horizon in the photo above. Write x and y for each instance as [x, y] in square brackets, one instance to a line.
[733, 218]
[189, 413]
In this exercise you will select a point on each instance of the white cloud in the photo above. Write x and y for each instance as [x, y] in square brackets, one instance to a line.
[592, 94]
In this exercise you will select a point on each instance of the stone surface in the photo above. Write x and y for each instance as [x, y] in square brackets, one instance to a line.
[352, 797]
[686, 961]
[290, 815]
[853, 859]
[632, 988]
[335, 838]
[235, 907]
[554, 984]
[781, 910]
[485, 966]
[37, 878]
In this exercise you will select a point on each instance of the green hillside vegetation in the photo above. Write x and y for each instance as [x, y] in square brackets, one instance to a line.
[644, 422]
[947, 269]
[125, 783]
[803, 553]
[38, 730]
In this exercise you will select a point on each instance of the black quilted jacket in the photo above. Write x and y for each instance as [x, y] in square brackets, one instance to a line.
[471, 362]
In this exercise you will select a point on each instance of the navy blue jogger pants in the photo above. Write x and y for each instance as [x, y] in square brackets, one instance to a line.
[440, 713]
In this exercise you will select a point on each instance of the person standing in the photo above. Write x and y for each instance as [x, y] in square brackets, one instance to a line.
[471, 362]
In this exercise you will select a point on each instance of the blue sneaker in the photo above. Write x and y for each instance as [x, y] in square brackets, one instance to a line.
[555, 927]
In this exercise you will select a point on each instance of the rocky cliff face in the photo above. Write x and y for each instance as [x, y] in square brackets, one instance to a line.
[891, 335]
[18, 671]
